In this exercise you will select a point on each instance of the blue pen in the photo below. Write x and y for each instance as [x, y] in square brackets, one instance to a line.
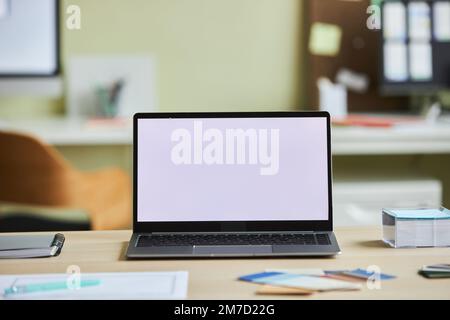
[49, 286]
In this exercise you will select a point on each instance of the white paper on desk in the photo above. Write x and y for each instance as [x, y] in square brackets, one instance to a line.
[113, 286]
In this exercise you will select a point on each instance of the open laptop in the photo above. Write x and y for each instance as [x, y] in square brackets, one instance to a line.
[232, 185]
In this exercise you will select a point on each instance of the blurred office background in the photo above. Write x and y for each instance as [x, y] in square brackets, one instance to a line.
[72, 73]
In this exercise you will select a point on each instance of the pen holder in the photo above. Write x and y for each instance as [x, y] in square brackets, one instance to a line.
[106, 107]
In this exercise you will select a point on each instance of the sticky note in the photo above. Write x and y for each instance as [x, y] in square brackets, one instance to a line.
[394, 21]
[441, 14]
[419, 18]
[396, 61]
[325, 39]
[421, 63]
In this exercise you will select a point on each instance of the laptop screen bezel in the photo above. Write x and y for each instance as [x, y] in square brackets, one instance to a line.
[230, 226]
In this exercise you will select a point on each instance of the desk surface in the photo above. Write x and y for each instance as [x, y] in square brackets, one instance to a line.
[216, 279]
[414, 139]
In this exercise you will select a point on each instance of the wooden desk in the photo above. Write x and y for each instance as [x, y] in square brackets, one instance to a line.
[216, 279]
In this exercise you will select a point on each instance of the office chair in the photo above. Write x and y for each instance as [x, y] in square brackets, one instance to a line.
[30, 218]
[34, 173]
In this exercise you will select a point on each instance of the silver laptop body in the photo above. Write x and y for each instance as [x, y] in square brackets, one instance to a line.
[232, 185]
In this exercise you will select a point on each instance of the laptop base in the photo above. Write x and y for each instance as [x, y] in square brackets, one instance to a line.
[230, 251]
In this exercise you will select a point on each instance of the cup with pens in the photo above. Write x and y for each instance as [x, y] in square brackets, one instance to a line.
[109, 98]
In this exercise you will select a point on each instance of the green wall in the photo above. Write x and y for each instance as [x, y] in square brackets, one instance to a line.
[211, 54]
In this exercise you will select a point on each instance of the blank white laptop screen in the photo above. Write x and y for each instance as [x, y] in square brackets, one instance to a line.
[228, 169]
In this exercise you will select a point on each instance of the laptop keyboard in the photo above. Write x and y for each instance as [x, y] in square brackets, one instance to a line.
[233, 239]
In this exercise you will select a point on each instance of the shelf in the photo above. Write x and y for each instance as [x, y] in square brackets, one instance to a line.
[64, 132]
[411, 139]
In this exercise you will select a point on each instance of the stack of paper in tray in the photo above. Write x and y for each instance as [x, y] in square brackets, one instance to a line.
[309, 281]
[416, 227]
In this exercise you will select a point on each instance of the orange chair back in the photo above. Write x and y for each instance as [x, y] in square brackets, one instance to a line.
[34, 173]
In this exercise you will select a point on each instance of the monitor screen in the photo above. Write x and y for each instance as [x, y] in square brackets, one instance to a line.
[29, 38]
[232, 169]
[415, 45]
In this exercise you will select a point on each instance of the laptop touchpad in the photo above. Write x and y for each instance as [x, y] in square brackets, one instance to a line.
[232, 249]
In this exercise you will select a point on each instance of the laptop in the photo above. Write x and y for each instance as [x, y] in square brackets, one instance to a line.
[232, 185]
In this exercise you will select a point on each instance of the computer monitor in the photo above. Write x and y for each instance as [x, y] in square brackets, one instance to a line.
[415, 47]
[29, 46]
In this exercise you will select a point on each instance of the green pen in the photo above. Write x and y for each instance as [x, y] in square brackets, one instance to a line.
[49, 286]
